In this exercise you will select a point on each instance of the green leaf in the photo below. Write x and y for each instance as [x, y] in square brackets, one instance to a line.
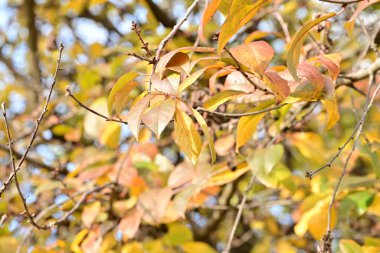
[220, 98]
[296, 45]
[264, 159]
[362, 199]
[178, 234]
[119, 92]
[349, 246]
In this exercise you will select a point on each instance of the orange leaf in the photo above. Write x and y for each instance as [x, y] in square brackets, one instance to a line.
[207, 15]
[277, 84]
[130, 224]
[159, 115]
[255, 55]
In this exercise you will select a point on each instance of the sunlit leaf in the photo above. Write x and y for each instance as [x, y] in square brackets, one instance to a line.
[255, 55]
[119, 92]
[276, 84]
[159, 115]
[220, 98]
[110, 135]
[191, 247]
[209, 11]
[206, 131]
[186, 135]
[130, 223]
[296, 45]
[240, 13]
[153, 204]
[136, 113]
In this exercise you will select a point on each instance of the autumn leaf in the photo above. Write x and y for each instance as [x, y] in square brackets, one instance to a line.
[209, 11]
[296, 44]
[187, 137]
[136, 113]
[220, 98]
[119, 92]
[255, 55]
[202, 123]
[246, 127]
[240, 12]
[157, 117]
[349, 246]
[130, 223]
[349, 25]
[276, 84]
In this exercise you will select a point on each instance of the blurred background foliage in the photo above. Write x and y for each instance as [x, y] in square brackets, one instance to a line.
[76, 151]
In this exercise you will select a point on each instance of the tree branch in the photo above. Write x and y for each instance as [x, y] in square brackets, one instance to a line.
[38, 122]
[238, 115]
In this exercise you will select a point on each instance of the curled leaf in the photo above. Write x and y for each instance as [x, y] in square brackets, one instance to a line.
[296, 45]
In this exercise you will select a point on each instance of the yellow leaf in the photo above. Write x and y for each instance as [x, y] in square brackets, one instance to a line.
[90, 212]
[246, 127]
[206, 131]
[92, 123]
[228, 175]
[277, 84]
[186, 136]
[133, 247]
[315, 220]
[119, 92]
[191, 247]
[374, 208]
[296, 45]
[220, 98]
[75, 245]
[332, 112]
[110, 135]
[240, 12]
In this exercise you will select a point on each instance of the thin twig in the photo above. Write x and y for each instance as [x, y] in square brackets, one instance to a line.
[150, 61]
[238, 115]
[145, 45]
[327, 238]
[38, 121]
[343, 2]
[351, 137]
[372, 43]
[163, 43]
[240, 212]
[284, 26]
[245, 74]
[70, 94]
[10, 147]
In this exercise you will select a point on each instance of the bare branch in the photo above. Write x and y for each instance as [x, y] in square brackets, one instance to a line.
[137, 30]
[38, 121]
[343, 2]
[238, 115]
[238, 216]
[70, 94]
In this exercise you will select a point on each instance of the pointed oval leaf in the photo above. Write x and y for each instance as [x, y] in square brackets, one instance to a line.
[240, 13]
[186, 136]
[255, 55]
[220, 98]
[277, 84]
[158, 116]
[206, 17]
[296, 45]
[350, 246]
[206, 132]
[119, 92]
[246, 127]
[135, 115]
